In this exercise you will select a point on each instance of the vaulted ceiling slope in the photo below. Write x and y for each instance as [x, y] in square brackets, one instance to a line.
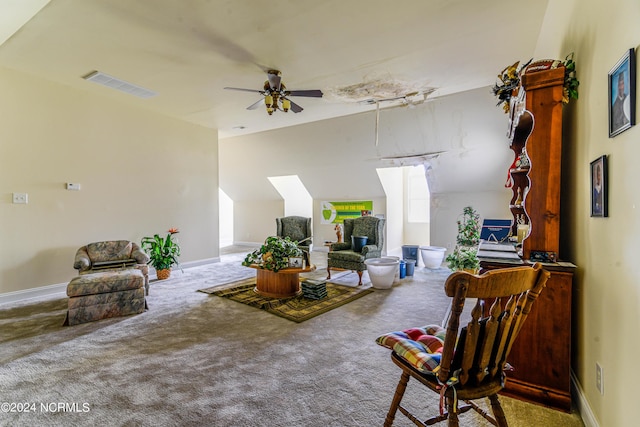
[187, 51]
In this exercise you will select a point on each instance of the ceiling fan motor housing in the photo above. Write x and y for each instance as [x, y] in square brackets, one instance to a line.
[275, 94]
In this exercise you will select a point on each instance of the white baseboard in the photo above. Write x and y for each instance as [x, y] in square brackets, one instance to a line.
[200, 262]
[581, 403]
[248, 243]
[60, 289]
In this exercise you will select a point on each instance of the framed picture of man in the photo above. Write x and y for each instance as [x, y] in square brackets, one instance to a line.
[599, 191]
[622, 94]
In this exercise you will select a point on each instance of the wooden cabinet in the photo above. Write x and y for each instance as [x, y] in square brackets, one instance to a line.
[538, 130]
[541, 354]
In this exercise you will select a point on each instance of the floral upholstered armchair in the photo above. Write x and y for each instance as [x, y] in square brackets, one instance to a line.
[296, 228]
[112, 255]
[113, 281]
[343, 256]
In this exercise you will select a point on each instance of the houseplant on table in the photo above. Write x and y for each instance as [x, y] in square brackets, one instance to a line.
[274, 254]
[163, 252]
[464, 256]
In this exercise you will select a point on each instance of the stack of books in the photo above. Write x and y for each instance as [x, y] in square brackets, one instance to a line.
[314, 289]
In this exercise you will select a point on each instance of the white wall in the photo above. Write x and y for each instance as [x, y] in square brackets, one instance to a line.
[140, 174]
[254, 221]
[414, 233]
[297, 200]
[226, 219]
[393, 182]
[606, 292]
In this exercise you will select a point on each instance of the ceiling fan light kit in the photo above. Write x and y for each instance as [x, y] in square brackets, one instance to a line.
[276, 94]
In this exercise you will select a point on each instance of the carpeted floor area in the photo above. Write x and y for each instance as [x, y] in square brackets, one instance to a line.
[194, 360]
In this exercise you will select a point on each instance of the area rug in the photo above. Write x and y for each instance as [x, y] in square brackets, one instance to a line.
[297, 309]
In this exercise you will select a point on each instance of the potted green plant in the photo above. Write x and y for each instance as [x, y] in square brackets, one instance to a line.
[464, 256]
[468, 228]
[274, 254]
[163, 252]
[465, 259]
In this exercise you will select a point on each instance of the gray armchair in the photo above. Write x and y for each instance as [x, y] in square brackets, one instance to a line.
[297, 228]
[342, 255]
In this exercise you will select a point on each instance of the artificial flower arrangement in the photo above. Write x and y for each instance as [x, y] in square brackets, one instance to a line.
[509, 80]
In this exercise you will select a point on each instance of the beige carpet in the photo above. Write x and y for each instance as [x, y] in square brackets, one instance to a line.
[198, 360]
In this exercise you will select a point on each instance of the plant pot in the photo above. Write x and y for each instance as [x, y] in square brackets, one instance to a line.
[163, 274]
[396, 279]
[381, 272]
[432, 256]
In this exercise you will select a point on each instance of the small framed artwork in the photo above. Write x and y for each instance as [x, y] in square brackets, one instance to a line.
[295, 262]
[622, 94]
[599, 191]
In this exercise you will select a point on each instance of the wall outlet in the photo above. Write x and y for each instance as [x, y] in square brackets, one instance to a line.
[22, 198]
[599, 378]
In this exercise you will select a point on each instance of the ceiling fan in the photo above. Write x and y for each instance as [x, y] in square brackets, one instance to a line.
[276, 95]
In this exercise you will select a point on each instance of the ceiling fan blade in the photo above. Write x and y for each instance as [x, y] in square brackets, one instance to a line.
[314, 93]
[274, 81]
[245, 90]
[295, 107]
[255, 104]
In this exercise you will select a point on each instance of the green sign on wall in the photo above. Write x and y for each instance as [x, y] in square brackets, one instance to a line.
[337, 212]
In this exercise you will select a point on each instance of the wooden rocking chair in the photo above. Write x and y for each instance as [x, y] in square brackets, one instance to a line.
[472, 360]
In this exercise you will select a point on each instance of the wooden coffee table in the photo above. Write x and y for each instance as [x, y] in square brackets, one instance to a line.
[283, 284]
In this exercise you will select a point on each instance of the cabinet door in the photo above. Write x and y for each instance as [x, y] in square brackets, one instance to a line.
[541, 354]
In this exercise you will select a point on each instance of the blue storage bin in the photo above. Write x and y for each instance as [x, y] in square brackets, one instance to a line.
[410, 252]
[358, 242]
[403, 269]
[410, 265]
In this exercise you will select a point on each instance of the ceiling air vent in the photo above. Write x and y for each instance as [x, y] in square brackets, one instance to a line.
[121, 85]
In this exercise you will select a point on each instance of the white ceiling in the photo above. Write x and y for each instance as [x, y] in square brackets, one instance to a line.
[189, 50]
